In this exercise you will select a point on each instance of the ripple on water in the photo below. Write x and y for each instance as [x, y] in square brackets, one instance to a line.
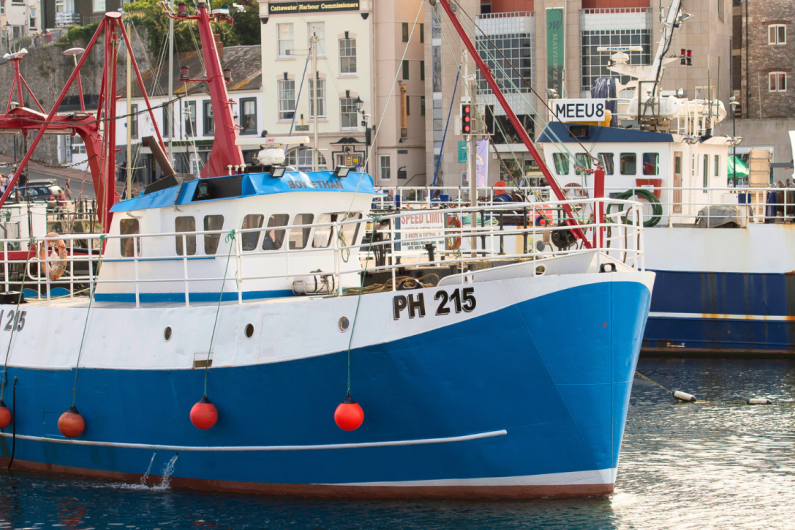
[682, 466]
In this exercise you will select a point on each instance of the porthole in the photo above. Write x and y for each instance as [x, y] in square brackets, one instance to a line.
[167, 333]
[344, 323]
[540, 270]
[249, 330]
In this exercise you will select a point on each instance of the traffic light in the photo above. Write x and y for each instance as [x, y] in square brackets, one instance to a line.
[466, 118]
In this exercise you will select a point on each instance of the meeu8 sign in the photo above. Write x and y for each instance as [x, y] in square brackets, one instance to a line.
[577, 110]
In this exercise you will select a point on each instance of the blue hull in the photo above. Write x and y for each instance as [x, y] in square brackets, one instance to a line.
[722, 313]
[541, 387]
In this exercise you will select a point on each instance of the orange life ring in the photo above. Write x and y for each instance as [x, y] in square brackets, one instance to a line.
[499, 187]
[53, 268]
[453, 243]
[542, 217]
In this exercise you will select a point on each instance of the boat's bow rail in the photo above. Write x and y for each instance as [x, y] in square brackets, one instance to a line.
[323, 257]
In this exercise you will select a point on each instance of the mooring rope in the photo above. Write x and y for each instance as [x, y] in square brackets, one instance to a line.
[230, 239]
[769, 402]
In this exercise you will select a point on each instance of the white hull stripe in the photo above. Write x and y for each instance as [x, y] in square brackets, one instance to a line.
[716, 316]
[599, 476]
[255, 448]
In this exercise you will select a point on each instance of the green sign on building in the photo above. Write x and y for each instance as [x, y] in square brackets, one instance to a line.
[555, 49]
[462, 151]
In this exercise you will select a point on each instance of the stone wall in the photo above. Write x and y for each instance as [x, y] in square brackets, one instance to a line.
[765, 134]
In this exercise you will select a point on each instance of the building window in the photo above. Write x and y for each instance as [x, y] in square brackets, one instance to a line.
[422, 70]
[190, 118]
[134, 121]
[405, 70]
[209, 123]
[348, 118]
[185, 224]
[422, 33]
[422, 105]
[518, 48]
[778, 81]
[705, 172]
[285, 40]
[405, 32]
[248, 115]
[321, 98]
[385, 167]
[594, 64]
[629, 163]
[166, 121]
[99, 6]
[651, 163]
[286, 99]
[777, 34]
[319, 29]
[720, 10]
[347, 56]
[302, 158]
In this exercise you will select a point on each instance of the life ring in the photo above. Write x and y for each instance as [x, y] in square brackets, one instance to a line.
[574, 192]
[53, 268]
[544, 217]
[452, 243]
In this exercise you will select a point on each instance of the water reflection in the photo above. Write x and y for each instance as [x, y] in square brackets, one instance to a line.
[682, 466]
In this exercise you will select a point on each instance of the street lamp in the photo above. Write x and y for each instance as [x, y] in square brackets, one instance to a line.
[74, 52]
[367, 133]
[8, 36]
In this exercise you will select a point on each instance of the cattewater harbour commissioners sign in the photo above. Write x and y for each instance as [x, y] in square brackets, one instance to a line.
[286, 8]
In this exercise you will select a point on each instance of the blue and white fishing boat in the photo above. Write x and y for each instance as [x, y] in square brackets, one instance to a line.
[227, 317]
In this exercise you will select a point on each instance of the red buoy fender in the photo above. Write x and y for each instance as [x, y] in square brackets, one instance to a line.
[71, 423]
[203, 415]
[349, 415]
[5, 415]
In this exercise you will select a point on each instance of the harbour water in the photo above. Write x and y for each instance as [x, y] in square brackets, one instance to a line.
[682, 466]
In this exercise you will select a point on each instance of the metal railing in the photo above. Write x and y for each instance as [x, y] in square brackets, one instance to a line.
[453, 245]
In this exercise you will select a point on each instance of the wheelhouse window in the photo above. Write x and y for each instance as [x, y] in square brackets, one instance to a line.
[134, 121]
[705, 172]
[323, 234]
[716, 165]
[248, 115]
[629, 164]
[349, 231]
[249, 240]
[299, 237]
[285, 40]
[286, 94]
[129, 227]
[606, 159]
[274, 238]
[347, 56]
[211, 241]
[583, 163]
[166, 121]
[561, 163]
[185, 224]
[651, 163]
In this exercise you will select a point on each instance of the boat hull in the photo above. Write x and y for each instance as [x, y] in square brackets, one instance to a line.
[511, 399]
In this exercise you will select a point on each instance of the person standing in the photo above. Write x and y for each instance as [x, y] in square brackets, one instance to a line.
[67, 190]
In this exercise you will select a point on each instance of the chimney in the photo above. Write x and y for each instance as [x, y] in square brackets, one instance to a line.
[219, 46]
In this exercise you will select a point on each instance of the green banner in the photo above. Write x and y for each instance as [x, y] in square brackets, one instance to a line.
[462, 151]
[555, 49]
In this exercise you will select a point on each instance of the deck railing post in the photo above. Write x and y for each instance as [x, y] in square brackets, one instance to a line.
[72, 268]
[47, 262]
[135, 266]
[5, 265]
[239, 272]
[90, 267]
[185, 268]
[392, 243]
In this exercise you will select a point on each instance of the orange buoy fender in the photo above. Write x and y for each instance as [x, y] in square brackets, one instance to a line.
[5, 415]
[203, 415]
[349, 415]
[71, 423]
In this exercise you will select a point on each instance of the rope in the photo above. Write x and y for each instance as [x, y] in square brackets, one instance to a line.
[785, 404]
[102, 238]
[657, 209]
[446, 125]
[400, 281]
[229, 239]
[32, 248]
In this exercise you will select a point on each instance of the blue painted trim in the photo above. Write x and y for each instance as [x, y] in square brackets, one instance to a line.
[601, 135]
[154, 298]
[256, 184]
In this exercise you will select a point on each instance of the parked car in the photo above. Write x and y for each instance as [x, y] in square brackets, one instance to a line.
[41, 192]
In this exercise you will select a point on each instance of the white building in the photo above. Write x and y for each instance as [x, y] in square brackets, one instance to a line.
[194, 125]
[19, 18]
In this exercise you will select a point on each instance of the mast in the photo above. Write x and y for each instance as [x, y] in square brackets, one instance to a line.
[313, 51]
[129, 124]
[170, 109]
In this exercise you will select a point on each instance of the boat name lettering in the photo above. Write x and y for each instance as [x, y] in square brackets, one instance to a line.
[316, 184]
[572, 110]
[19, 321]
[459, 300]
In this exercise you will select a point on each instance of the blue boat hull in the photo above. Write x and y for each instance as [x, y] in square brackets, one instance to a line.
[529, 400]
[709, 312]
